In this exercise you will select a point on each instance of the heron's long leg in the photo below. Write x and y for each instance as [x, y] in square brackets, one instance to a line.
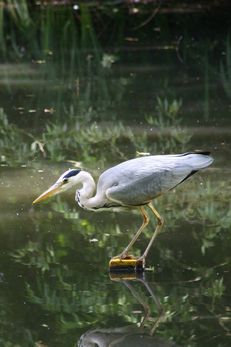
[145, 223]
[159, 225]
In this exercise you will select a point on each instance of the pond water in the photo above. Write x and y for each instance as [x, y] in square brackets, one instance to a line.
[55, 286]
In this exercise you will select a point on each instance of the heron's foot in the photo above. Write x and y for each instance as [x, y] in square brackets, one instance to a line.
[123, 255]
[141, 260]
[128, 262]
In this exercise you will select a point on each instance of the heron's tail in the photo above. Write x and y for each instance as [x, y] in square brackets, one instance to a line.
[199, 160]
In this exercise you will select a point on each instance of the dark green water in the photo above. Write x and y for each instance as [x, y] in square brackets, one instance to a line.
[55, 287]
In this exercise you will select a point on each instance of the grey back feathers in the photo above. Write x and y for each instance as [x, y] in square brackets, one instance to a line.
[138, 181]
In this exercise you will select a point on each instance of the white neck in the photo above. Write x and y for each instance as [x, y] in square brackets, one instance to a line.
[84, 196]
[88, 185]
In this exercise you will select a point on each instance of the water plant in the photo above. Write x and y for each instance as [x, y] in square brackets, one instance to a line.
[166, 113]
[166, 122]
[225, 69]
[61, 141]
[11, 136]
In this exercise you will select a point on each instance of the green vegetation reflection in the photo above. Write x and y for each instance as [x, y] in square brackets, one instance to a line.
[61, 141]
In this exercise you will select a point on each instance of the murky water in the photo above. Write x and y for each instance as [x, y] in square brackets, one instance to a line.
[55, 287]
[55, 284]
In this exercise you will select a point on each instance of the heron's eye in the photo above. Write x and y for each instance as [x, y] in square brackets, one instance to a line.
[65, 180]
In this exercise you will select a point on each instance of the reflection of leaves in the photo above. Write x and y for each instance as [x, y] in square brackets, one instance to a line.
[206, 244]
[217, 289]
[76, 295]
[108, 60]
[10, 138]
[167, 114]
[33, 255]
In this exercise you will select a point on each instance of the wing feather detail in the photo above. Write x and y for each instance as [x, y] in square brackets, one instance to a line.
[138, 181]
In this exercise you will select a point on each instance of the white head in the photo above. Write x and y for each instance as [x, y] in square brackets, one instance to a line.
[67, 180]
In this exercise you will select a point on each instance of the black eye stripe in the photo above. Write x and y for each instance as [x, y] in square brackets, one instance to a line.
[71, 173]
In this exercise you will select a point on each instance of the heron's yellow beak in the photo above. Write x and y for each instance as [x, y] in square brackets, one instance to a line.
[51, 191]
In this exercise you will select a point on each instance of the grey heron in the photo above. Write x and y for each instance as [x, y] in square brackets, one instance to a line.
[132, 184]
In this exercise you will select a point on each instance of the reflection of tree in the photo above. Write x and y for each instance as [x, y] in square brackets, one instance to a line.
[55, 286]
[147, 310]
[131, 335]
[71, 293]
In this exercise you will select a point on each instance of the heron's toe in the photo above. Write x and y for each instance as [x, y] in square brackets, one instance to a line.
[141, 260]
[120, 256]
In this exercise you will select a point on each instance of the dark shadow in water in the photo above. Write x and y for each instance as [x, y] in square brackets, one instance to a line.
[131, 335]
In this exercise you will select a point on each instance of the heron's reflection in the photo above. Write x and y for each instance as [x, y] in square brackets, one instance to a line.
[131, 335]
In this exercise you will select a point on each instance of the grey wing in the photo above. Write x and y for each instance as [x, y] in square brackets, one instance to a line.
[141, 191]
[137, 186]
[138, 181]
